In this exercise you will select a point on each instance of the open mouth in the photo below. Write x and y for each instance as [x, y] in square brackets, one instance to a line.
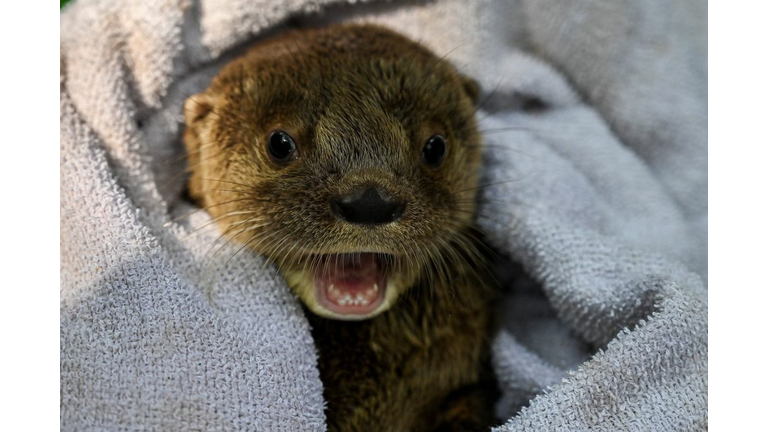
[351, 284]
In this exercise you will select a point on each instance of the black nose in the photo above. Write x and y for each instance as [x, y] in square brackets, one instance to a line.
[367, 206]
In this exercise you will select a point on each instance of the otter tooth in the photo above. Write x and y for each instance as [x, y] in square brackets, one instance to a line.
[359, 296]
[331, 288]
[375, 287]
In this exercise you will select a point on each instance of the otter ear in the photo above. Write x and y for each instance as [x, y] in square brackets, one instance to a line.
[471, 87]
[197, 107]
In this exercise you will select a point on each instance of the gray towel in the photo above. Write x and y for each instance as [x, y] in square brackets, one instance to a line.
[595, 116]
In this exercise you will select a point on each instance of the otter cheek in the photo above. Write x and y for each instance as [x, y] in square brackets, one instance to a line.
[350, 286]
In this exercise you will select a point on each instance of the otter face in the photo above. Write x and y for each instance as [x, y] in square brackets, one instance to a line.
[348, 156]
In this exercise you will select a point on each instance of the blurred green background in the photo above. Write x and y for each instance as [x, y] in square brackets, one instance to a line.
[63, 2]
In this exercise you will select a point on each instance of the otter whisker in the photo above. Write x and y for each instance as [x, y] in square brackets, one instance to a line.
[189, 166]
[508, 129]
[428, 73]
[486, 146]
[197, 230]
[277, 249]
[287, 255]
[253, 196]
[226, 236]
[223, 266]
[228, 182]
[450, 255]
[483, 186]
[248, 242]
[454, 80]
[488, 98]
[185, 155]
[199, 209]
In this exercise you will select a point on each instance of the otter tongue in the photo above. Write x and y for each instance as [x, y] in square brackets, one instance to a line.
[352, 281]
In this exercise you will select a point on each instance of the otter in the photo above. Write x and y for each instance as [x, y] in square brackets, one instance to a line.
[349, 157]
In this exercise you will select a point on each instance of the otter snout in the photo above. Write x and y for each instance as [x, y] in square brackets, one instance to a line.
[367, 206]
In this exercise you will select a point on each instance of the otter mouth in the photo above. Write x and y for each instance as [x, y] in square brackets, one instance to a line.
[351, 285]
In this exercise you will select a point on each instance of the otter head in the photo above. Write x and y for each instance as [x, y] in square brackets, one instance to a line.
[348, 156]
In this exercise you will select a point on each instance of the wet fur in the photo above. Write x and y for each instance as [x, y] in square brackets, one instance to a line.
[360, 102]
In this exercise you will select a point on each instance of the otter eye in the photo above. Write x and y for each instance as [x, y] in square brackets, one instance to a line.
[434, 151]
[281, 146]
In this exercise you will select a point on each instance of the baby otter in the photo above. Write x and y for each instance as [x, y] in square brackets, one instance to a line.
[349, 157]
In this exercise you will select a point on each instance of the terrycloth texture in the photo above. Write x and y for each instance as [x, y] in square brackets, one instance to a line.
[600, 195]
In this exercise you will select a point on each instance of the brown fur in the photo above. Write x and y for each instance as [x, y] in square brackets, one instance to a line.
[360, 102]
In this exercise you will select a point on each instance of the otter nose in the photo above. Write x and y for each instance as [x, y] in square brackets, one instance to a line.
[367, 206]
